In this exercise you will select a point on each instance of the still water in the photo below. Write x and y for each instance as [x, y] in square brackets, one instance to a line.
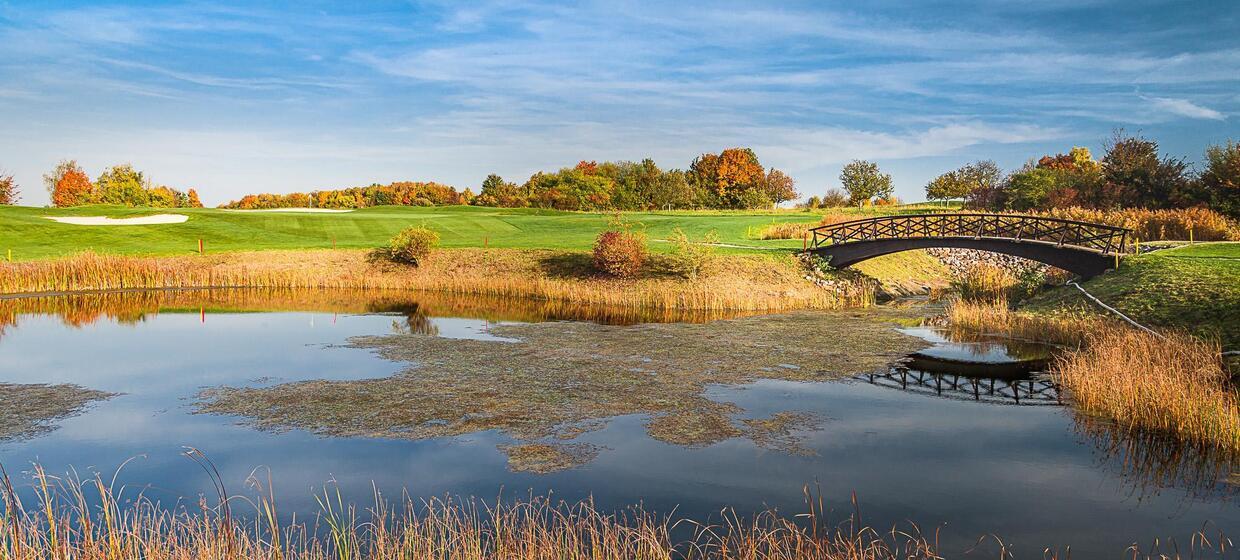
[955, 452]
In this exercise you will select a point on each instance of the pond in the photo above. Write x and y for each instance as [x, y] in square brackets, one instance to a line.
[689, 413]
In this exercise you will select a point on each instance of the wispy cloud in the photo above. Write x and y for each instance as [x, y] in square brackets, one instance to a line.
[297, 95]
[1185, 108]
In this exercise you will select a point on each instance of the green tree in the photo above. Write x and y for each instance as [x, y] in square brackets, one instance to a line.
[979, 175]
[122, 184]
[1220, 181]
[863, 181]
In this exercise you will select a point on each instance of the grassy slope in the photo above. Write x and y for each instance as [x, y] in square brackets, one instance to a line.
[1196, 288]
[26, 231]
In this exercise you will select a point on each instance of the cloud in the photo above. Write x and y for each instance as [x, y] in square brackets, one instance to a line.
[1185, 108]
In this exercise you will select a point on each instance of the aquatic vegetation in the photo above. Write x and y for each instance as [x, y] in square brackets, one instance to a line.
[1070, 329]
[29, 410]
[1168, 383]
[985, 283]
[562, 380]
[65, 523]
[749, 282]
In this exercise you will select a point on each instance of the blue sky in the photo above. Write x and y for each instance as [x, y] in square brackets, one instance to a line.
[232, 98]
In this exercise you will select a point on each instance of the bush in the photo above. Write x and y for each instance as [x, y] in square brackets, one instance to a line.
[690, 259]
[413, 245]
[620, 253]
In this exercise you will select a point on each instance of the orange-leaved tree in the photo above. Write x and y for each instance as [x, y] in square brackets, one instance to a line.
[73, 189]
[8, 190]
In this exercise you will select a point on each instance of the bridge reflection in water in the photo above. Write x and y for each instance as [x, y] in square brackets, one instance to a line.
[1036, 390]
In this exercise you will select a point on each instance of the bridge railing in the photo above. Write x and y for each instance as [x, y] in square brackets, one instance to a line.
[1098, 237]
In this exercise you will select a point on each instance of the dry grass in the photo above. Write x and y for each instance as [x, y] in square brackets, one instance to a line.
[756, 283]
[1171, 383]
[988, 318]
[985, 283]
[798, 230]
[66, 523]
[1159, 225]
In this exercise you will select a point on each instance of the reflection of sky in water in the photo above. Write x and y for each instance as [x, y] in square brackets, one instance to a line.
[1018, 472]
[983, 352]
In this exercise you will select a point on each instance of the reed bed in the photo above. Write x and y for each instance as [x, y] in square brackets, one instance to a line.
[1165, 383]
[746, 283]
[991, 318]
[800, 230]
[90, 520]
[1201, 224]
[985, 283]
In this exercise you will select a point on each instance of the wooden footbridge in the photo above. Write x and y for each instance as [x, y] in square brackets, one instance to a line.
[1084, 248]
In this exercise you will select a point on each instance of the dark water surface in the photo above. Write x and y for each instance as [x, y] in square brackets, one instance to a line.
[951, 452]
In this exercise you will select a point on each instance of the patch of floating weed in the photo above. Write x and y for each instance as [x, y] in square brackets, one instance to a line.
[564, 379]
[29, 410]
[542, 458]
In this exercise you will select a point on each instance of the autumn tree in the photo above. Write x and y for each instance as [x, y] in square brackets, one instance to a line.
[122, 184]
[833, 198]
[779, 187]
[1221, 179]
[1136, 175]
[863, 181]
[947, 186]
[68, 185]
[8, 190]
[192, 199]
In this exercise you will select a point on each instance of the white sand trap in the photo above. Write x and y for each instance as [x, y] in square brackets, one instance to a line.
[106, 221]
[319, 210]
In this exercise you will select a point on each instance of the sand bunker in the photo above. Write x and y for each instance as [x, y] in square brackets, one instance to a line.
[106, 221]
[318, 210]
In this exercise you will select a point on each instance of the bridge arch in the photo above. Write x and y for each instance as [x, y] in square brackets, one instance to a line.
[1083, 248]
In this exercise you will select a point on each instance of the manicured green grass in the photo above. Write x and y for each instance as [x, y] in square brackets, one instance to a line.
[28, 233]
[1195, 288]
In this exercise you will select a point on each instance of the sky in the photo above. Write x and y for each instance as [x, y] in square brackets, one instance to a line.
[234, 98]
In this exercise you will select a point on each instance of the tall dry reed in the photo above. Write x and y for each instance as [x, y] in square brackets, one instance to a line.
[1158, 225]
[1169, 383]
[985, 283]
[746, 283]
[798, 230]
[91, 520]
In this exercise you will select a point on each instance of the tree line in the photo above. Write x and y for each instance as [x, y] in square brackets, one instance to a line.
[69, 185]
[1131, 173]
[733, 178]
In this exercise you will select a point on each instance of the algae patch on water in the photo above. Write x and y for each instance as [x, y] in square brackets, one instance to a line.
[30, 410]
[563, 379]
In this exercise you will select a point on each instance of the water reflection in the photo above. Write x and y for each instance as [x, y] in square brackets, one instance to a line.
[1032, 391]
[135, 306]
[1150, 463]
[1035, 475]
